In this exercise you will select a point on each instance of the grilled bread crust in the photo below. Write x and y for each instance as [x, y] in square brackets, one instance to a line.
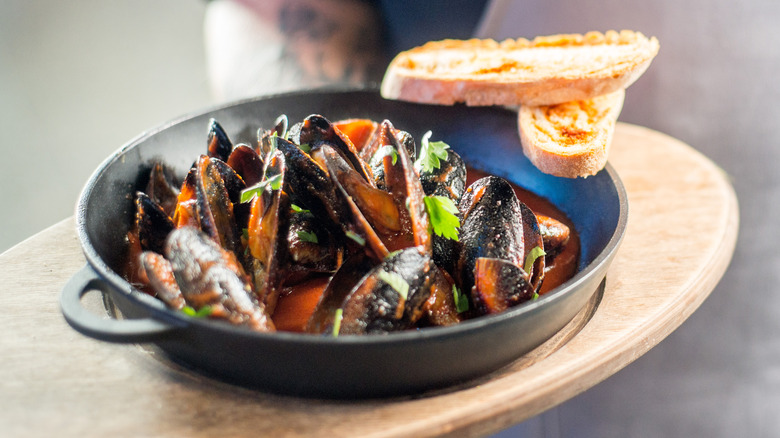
[543, 71]
[570, 139]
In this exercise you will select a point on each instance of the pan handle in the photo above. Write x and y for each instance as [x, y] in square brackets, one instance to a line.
[111, 330]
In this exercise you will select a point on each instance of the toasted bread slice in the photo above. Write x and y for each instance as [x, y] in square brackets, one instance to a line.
[544, 71]
[570, 139]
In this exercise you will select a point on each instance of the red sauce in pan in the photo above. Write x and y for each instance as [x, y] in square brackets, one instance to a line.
[296, 304]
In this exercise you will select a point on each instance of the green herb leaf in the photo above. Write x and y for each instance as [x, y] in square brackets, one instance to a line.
[200, 313]
[396, 282]
[386, 150]
[530, 259]
[535, 296]
[272, 141]
[354, 236]
[337, 322]
[275, 182]
[297, 209]
[431, 154]
[307, 236]
[305, 147]
[249, 194]
[441, 214]
[392, 254]
[461, 302]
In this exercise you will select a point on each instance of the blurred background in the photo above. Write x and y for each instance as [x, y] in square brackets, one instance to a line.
[79, 79]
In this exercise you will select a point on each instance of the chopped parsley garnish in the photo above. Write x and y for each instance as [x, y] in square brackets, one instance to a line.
[431, 152]
[275, 182]
[441, 213]
[393, 254]
[297, 209]
[305, 147]
[535, 296]
[354, 236]
[272, 141]
[396, 282]
[307, 236]
[200, 313]
[337, 322]
[386, 150]
[461, 302]
[530, 259]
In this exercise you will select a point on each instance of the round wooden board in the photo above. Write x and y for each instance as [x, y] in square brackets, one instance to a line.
[60, 383]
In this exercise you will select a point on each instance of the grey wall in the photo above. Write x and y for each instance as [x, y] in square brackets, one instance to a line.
[77, 80]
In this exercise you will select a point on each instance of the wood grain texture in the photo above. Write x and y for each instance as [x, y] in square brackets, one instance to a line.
[682, 229]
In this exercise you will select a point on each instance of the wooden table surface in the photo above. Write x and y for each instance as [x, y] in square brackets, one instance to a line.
[682, 229]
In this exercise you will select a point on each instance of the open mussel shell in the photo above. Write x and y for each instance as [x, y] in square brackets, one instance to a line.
[385, 141]
[402, 363]
[403, 182]
[352, 192]
[214, 204]
[492, 227]
[555, 235]
[313, 249]
[267, 230]
[153, 223]
[246, 162]
[359, 131]
[316, 130]
[209, 275]
[308, 184]
[391, 296]
[499, 285]
[340, 285]
[387, 297]
[162, 279]
[218, 142]
[163, 187]
[234, 183]
[205, 203]
[449, 179]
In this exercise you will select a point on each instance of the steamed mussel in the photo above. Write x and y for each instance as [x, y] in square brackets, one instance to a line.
[338, 228]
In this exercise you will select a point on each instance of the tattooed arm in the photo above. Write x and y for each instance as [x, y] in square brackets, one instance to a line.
[267, 46]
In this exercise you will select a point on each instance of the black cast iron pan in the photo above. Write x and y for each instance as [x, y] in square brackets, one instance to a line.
[347, 366]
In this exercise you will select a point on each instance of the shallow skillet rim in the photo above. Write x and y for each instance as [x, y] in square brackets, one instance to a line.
[158, 310]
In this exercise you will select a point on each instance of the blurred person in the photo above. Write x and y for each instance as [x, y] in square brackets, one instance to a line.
[258, 47]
